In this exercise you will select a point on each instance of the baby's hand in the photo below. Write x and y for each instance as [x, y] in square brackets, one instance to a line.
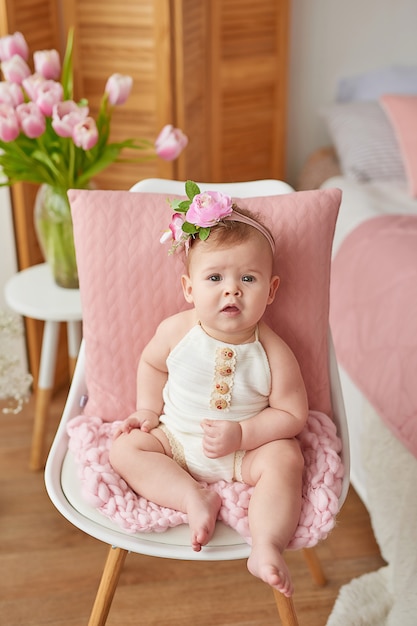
[221, 437]
[143, 419]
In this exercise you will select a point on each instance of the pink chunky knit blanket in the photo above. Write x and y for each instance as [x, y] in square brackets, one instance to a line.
[90, 439]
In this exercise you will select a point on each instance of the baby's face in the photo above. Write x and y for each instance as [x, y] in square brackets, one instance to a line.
[231, 287]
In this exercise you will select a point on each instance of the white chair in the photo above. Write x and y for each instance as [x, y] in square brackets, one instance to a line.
[62, 484]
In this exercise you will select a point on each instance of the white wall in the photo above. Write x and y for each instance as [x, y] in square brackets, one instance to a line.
[8, 267]
[7, 251]
[335, 38]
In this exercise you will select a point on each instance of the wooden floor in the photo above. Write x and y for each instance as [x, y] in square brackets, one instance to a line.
[49, 571]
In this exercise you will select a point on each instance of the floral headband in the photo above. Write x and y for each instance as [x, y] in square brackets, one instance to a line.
[197, 215]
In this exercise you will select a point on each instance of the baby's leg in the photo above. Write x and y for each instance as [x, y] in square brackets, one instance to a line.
[144, 461]
[275, 470]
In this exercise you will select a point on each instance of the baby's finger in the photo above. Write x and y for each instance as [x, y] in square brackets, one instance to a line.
[209, 450]
[119, 431]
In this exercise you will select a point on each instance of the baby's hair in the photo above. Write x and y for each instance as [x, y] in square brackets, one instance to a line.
[232, 231]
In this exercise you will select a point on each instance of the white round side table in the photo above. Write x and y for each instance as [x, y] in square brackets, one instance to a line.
[34, 293]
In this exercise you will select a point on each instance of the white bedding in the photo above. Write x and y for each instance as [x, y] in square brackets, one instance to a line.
[361, 201]
[383, 471]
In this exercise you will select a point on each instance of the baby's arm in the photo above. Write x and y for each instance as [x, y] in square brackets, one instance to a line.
[287, 412]
[150, 380]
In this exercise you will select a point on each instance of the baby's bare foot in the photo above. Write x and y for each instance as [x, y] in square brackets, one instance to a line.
[267, 563]
[202, 513]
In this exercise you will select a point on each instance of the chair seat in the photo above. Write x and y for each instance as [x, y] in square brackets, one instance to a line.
[173, 543]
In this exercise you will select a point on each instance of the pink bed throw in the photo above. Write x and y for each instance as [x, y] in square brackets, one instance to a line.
[90, 439]
[373, 316]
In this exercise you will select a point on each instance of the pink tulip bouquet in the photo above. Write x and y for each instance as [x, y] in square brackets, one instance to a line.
[49, 139]
[46, 137]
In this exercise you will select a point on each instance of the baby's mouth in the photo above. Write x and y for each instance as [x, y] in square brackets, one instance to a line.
[230, 308]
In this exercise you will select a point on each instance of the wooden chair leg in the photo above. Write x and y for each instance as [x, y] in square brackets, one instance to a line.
[314, 566]
[109, 579]
[286, 609]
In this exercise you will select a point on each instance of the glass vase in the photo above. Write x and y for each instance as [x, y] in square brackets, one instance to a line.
[53, 225]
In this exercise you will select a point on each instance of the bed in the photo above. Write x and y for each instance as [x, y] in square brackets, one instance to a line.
[362, 205]
[373, 159]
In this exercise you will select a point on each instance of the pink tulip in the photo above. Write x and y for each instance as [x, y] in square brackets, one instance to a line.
[170, 143]
[31, 120]
[15, 69]
[11, 93]
[31, 85]
[118, 88]
[9, 124]
[13, 44]
[65, 115]
[47, 64]
[85, 134]
[48, 94]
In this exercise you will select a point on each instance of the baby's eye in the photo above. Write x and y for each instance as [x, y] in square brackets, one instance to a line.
[214, 278]
[248, 278]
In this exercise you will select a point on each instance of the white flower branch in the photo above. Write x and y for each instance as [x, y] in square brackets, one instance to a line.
[14, 383]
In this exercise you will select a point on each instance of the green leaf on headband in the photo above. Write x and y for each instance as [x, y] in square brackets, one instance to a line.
[191, 189]
[203, 233]
[183, 206]
[174, 204]
[191, 229]
[180, 206]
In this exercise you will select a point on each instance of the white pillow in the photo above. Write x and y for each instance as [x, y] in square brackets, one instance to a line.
[365, 141]
[373, 84]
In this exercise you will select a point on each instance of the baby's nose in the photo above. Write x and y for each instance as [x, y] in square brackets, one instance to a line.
[232, 289]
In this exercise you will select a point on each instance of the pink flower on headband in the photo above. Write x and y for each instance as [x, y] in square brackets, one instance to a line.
[175, 232]
[195, 216]
[208, 208]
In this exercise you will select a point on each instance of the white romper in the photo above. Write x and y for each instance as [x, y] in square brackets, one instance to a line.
[208, 379]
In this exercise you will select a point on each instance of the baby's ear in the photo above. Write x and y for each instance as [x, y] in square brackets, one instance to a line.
[273, 288]
[187, 288]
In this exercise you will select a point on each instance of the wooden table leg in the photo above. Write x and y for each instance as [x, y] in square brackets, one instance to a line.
[43, 393]
[74, 341]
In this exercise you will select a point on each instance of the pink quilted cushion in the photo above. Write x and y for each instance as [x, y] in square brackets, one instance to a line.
[129, 284]
[402, 111]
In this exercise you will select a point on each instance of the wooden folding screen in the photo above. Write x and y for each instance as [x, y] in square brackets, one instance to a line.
[215, 68]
